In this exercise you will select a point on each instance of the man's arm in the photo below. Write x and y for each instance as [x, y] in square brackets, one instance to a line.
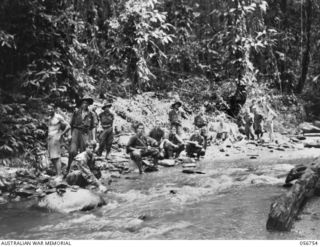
[130, 145]
[92, 127]
[66, 124]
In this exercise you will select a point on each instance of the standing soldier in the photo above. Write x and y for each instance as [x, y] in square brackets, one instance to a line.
[175, 117]
[106, 137]
[57, 127]
[82, 129]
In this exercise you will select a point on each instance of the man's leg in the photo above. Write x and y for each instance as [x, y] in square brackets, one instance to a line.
[57, 164]
[73, 147]
[136, 157]
[168, 149]
[109, 140]
[103, 141]
[178, 150]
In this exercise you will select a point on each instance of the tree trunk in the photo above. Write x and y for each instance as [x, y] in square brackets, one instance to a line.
[306, 54]
[286, 208]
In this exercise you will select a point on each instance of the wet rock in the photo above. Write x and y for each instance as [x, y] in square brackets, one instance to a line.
[189, 165]
[295, 173]
[308, 128]
[167, 162]
[25, 192]
[17, 199]
[253, 157]
[123, 140]
[151, 169]
[71, 201]
[2, 200]
[173, 192]
[115, 175]
[186, 160]
[189, 171]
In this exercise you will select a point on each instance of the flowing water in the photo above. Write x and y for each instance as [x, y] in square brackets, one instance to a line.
[230, 201]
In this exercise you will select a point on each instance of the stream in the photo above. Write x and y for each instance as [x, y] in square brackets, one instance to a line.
[230, 201]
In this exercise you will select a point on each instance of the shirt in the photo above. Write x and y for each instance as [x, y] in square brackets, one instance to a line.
[82, 120]
[106, 118]
[140, 142]
[197, 138]
[175, 116]
[85, 163]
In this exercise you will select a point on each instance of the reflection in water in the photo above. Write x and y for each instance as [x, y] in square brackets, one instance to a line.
[230, 201]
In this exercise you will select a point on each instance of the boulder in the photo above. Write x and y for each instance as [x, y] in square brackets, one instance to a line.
[308, 128]
[123, 140]
[71, 200]
[167, 162]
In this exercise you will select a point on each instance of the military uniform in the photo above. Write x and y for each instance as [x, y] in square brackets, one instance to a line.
[195, 147]
[173, 147]
[201, 123]
[106, 137]
[82, 123]
[85, 164]
[142, 143]
[175, 119]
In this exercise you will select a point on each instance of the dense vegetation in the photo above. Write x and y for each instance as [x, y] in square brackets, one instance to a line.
[55, 50]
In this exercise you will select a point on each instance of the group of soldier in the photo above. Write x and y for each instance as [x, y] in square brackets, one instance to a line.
[156, 145]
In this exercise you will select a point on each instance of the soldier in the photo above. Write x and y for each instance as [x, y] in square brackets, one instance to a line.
[174, 146]
[106, 137]
[175, 117]
[140, 146]
[85, 163]
[201, 123]
[195, 146]
[82, 129]
[57, 128]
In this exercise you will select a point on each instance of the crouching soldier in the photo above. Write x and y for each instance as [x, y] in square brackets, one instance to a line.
[84, 164]
[174, 146]
[195, 146]
[201, 123]
[106, 137]
[140, 146]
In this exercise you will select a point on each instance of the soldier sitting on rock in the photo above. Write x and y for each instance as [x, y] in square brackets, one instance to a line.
[201, 123]
[83, 167]
[195, 146]
[171, 146]
[174, 146]
[140, 146]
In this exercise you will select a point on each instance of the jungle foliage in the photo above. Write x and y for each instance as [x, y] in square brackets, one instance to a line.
[55, 50]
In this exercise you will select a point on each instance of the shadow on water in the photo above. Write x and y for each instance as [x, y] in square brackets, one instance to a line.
[230, 201]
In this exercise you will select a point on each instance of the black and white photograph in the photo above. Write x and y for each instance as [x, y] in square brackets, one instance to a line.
[159, 120]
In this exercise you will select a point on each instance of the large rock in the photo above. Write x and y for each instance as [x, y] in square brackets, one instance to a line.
[71, 200]
[309, 128]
